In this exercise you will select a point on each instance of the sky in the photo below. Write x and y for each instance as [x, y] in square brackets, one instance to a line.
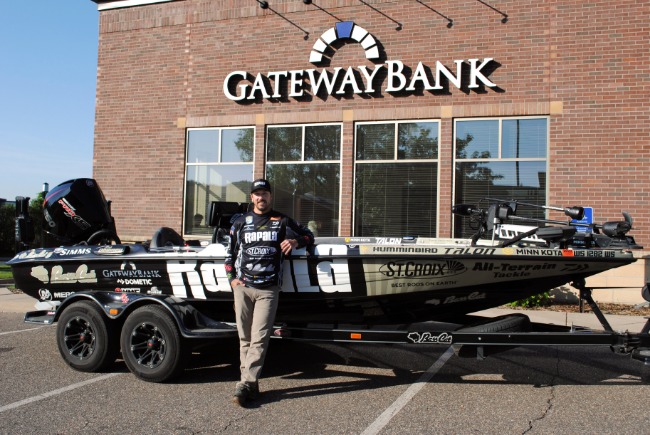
[48, 77]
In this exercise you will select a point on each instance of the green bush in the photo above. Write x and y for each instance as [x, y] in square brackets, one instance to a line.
[540, 300]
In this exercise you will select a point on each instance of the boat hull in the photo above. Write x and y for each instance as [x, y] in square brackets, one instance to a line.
[335, 282]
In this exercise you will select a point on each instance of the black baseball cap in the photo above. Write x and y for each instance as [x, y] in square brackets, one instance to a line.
[260, 183]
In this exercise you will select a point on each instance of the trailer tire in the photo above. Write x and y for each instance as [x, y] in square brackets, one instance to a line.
[86, 338]
[152, 346]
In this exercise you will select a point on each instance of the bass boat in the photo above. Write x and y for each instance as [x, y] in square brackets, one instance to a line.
[353, 280]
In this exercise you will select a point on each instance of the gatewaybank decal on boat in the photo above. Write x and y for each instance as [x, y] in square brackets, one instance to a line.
[273, 85]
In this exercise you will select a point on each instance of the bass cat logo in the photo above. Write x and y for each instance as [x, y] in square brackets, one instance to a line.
[81, 275]
[418, 269]
[427, 337]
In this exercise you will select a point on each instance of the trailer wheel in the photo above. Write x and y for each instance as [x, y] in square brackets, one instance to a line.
[152, 345]
[86, 337]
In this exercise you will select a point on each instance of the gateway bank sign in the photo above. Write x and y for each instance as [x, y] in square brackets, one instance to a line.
[397, 78]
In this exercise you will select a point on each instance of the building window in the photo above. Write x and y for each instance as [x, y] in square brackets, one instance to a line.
[219, 167]
[396, 179]
[304, 168]
[503, 159]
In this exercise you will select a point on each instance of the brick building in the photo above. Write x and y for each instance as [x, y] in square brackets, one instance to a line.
[371, 117]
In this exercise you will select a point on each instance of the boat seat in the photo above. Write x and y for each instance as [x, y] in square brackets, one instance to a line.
[165, 237]
[556, 234]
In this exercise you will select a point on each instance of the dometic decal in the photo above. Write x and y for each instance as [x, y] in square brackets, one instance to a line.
[421, 269]
[427, 337]
[469, 74]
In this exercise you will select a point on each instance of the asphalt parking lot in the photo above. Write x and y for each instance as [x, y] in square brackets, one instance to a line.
[326, 389]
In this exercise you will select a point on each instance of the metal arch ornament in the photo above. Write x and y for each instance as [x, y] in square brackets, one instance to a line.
[344, 30]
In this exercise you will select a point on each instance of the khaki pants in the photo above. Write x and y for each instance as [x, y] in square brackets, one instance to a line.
[255, 313]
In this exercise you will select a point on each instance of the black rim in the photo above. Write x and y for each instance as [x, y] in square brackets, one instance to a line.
[79, 338]
[148, 345]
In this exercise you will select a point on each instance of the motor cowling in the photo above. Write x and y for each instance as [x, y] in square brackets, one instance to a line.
[76, 211]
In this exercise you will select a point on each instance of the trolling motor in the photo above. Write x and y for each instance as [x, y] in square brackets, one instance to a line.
[606, 235]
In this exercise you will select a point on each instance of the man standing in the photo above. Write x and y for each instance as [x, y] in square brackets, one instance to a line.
[258, 243]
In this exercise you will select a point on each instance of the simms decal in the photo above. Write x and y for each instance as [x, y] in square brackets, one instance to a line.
[427, 337]
[72, 251]
[422, 269]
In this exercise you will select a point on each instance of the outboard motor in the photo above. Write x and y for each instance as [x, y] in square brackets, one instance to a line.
[76, 212]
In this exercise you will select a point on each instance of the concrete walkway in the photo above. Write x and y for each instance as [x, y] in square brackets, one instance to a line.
[15, 303]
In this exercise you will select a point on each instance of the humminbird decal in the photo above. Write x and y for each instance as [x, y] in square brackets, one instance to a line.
[274, 85]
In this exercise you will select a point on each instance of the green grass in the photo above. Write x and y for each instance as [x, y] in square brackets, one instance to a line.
[5, 271]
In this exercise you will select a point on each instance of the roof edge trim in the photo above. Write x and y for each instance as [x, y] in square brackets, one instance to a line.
[114, 4]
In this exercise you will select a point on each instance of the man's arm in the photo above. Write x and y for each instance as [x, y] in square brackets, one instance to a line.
[231, 252]
[304, 236]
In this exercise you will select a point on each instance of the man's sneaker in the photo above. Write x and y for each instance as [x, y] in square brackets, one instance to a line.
[242, 392]
[253, 391]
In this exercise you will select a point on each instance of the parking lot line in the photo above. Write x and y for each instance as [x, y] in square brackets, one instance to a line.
[406, 397]
[22, 330]
[56, 392]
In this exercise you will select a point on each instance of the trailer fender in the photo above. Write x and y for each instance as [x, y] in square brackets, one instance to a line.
[117, 306]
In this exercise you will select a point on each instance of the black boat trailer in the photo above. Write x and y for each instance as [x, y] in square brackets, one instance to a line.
[139, 327]
[492, 335]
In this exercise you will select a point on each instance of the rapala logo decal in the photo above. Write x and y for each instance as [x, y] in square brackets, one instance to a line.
[427, 337]
[420, 269]
[265, 236]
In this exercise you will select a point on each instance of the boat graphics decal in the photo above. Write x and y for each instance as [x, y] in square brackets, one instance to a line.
[81, 275]
[421, 269]
[427, 337]
[331, 269]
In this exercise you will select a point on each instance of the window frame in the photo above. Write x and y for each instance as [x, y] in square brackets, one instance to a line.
[395, 159]
[302, 161]
[500, 119]
[219, 163]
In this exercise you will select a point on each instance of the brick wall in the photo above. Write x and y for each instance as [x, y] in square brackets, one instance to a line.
[161, 68]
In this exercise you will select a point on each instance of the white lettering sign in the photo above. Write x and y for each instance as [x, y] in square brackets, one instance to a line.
[240, 85]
